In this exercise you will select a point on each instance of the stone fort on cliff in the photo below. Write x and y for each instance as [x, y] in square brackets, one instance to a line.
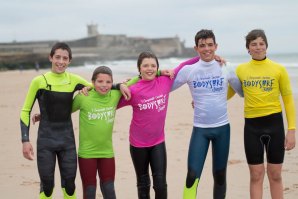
[94, 47]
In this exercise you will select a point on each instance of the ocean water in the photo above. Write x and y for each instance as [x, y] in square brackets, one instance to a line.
[129, 67]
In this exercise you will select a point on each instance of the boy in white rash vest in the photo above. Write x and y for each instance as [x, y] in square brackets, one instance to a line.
[208, 83]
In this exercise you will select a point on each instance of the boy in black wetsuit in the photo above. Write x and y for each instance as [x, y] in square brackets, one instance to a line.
[54, 91]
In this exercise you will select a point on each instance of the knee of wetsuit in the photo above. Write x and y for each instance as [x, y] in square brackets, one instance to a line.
[159, 181]
[47, 187]
[70, 186]
[108, 190]
[144, 181]
[143, 187]
[220, 177]
[90, 192]
[190, 179]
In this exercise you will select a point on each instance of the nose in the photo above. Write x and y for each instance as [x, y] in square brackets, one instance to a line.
[60, 60]
[104, 84]
[152, 68]
[259, 46]
[207, 47]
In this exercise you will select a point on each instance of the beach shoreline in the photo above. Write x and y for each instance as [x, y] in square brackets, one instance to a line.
[19, 177]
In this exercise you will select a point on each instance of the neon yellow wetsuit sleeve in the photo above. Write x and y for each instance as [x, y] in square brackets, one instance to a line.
[30, 99]
[35, 85]
[62, 83]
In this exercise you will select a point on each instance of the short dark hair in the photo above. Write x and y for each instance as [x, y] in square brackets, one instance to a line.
[204, 34]
[63, 46]
[102, 70]
[146, 54]
[254, 34]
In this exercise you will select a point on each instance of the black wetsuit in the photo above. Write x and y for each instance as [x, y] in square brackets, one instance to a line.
[54, 93]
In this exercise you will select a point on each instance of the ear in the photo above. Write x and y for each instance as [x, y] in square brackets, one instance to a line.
[195, 48]
[50, 58]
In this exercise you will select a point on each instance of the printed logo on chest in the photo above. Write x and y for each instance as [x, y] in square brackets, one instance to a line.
[107, 114]
[158, 103]
[264, 83]
[215, 83]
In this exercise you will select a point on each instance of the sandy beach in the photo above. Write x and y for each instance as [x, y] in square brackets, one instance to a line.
[19, 177]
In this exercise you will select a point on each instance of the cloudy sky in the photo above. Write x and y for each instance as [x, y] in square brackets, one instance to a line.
[25, 20]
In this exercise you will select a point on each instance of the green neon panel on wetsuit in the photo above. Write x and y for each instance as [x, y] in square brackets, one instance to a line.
[51, 82]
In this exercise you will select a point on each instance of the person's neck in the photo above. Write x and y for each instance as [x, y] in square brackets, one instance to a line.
[207, 62]
[57, 73]
[259, 59]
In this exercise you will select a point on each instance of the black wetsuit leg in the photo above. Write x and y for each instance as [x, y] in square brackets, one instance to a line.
[158, 163]
[56, 140]
[156, 157]
[67, 160]
[46, 161]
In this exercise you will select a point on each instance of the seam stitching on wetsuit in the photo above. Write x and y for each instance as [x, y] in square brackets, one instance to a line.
[49, 86]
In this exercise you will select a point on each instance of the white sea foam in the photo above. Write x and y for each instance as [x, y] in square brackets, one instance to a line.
[129, 67]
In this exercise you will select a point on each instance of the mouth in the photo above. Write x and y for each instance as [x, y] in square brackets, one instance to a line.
[103, 90]
[60, 67]
[208, 53]
[148, 75]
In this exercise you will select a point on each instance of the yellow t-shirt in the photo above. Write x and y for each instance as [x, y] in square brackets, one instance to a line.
[263, 82]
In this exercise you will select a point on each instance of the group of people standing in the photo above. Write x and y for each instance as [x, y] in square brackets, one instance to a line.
[260, 81]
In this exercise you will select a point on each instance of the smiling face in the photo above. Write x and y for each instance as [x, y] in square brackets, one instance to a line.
[148, 68]
[60, 61]
[257, 48]
[103, 83]
[206, 49]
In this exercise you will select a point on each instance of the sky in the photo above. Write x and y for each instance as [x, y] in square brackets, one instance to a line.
[231, 20]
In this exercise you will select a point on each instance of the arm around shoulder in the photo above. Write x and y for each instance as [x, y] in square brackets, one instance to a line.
[234, 83]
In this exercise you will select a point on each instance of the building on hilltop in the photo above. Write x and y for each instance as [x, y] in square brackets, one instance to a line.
[92, 30]
[93, 48]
